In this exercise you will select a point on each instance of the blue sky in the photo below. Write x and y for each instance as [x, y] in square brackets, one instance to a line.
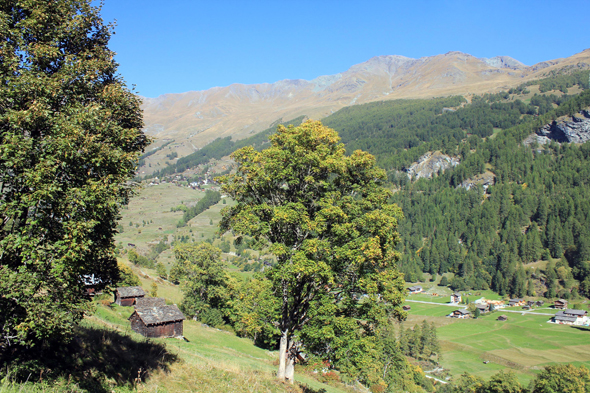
[177, 46]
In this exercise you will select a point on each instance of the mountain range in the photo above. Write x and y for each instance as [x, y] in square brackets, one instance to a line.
[195, 118]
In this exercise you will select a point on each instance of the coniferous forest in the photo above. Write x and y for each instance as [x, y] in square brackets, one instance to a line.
[537, 208]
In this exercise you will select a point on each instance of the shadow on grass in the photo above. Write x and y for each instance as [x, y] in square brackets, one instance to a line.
[95, 359]
[307, 389]
[583, 328]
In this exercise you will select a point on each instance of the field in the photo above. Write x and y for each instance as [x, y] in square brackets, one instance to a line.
[525, 343]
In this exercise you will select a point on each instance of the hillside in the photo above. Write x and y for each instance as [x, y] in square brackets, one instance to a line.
[193, 119]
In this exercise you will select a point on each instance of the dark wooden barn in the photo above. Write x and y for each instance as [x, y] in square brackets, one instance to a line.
[163, 321]
[149, 302]
[126, 296]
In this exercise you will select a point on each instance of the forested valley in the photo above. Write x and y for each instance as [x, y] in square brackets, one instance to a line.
[538, 206]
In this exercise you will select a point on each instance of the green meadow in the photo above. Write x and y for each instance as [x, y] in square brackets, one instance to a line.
[524, 343]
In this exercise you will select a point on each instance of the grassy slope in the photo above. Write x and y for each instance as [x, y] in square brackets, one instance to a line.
[210, 361]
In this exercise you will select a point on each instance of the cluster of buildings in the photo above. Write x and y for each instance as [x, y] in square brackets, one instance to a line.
[564, 316]
[151, 317]
[178, 180]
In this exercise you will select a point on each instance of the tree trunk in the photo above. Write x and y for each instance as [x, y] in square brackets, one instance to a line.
[290, 365]
[283, 356]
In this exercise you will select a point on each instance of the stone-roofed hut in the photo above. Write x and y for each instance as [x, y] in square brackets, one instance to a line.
[127, 296]
[162, 321]
[150, 302]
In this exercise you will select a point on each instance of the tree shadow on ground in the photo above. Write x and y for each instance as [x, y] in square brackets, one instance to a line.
[94, 358]
[583, 328]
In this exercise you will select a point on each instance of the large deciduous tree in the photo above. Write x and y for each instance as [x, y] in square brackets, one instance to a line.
[70, 137]
[326, 218]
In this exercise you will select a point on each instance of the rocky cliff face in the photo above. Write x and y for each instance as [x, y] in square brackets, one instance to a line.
[429, 164]
[573, 130]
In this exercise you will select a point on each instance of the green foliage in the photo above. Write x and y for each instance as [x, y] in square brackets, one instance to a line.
[444, 281]
[327, 221]
[421, 342]
[139, 260]
[212, 317]
[254, 310]
[126, 276]
[202, 277]
[161, 270]
[70, 135]
[154, 290]
[398, 374]
[562, 378]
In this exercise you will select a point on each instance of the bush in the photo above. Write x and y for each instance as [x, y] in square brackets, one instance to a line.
[211, 317]
[444, 282]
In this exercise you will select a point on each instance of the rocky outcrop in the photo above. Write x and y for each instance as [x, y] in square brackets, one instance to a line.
[485, 179]
[575, 130]
[429, 164]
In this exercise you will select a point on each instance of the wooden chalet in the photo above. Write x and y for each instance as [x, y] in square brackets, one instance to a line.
[564, 319]
[407, 308]
[415, 289]
[460, 314]
[162, 321]
[127, 296]
[456, 298]
[150, 302]
[483, 307]
[502, 318]
[560, 304]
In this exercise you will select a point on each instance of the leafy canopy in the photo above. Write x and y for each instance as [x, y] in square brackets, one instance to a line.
[70, 136]
[326, 218]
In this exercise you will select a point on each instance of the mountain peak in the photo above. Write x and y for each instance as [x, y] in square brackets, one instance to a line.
[504, 62]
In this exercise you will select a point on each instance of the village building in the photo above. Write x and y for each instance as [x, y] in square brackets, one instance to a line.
[415, 289]
[560, 304]
[460, 314]
[516, 302]
[456, 298]
[91, 284]
[502, 318]
[150, 302]
[162, 321]
[127, 296]
[571, 317]
[483, 307]
[407, 308]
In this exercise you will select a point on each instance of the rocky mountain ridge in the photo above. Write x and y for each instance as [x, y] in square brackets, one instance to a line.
[195, 118]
